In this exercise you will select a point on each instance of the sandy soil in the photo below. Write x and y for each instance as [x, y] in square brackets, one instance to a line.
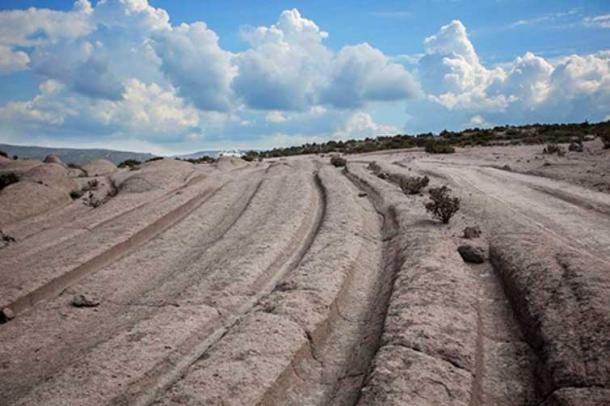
[292, 282]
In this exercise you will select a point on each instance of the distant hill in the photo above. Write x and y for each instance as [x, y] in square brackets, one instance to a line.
[73, 155]
[211, 153]
[199, 154]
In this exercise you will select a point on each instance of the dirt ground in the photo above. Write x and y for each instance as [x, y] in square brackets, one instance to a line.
[292, 282]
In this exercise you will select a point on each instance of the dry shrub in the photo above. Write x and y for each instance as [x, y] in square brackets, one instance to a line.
[7, 179]
[551, 149]
[412, 185]
[442, 205]
[337, 161]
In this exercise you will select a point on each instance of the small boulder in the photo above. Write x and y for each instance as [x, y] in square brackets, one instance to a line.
[472, 232]
[84, 301]
[472, 254]
[6, 314]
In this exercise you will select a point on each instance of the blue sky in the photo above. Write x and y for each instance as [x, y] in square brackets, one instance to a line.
[175, 76]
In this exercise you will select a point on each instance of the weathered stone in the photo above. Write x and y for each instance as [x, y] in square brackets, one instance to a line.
[472, 254]
[6, 314]
[84, 301]
[472, 232]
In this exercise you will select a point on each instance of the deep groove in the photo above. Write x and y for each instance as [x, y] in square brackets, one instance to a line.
[391, 263]
[58, 284]
[278, 269]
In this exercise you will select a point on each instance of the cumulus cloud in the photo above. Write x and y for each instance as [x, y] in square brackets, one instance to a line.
[362, 125]
[12, 61]
[362, 73]
[194, 62]
[285, 66]
[530, 88]
[144, 111]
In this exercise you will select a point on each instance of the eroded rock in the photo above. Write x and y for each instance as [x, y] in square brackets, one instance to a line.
[472, 254]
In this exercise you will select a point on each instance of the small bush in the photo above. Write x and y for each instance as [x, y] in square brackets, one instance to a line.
[129, 163]
[374, 167]
[157, 158]
[250, 156]
[76, 194]
[412, 185]
[575, 147]
[92, 185]
[7, 179]
[605, 137]
[4, 154]
[551, 149]
[337, 161]
[436, 147]
[442, 205]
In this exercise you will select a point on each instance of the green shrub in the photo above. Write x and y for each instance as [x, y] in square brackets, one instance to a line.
[250, 156]
[442, 205]
[412, 185]
[157, 158]
[551, 149]
[604, 135]
[7, 179]
[437, 147]
[129, 163]
[337, 161]
[4, 154]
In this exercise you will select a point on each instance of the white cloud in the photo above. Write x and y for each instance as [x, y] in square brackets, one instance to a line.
[146, 112]
[37, 26]
[362, 73]
[194, 62]
[362, 125]
[285, 66]
[600, 21]
[12, 61]
[530, 88]
[275, 117]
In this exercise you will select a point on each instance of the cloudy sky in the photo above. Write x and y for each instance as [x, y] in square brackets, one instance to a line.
[176, 76]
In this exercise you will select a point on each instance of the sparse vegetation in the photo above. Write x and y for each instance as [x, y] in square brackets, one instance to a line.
[412, 185]
[250, 156]
[202, 160]
[604, 135]
[438, 147]
[129, 163]
[532, 134]
[156, 158]
[551, 149]
[8, 179]
[337, 161]
[442, 205]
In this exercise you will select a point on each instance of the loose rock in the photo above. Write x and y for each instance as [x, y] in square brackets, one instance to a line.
[6, 314]
[84, 301]
[472, 254]
[472, 232]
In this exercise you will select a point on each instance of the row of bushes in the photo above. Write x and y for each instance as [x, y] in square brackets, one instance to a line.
[445, 141]
[441, 205]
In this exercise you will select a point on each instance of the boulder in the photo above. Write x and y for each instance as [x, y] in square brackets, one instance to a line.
[82, 300]
[472, 254]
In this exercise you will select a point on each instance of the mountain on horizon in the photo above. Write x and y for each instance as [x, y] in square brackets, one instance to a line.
[73, 155]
